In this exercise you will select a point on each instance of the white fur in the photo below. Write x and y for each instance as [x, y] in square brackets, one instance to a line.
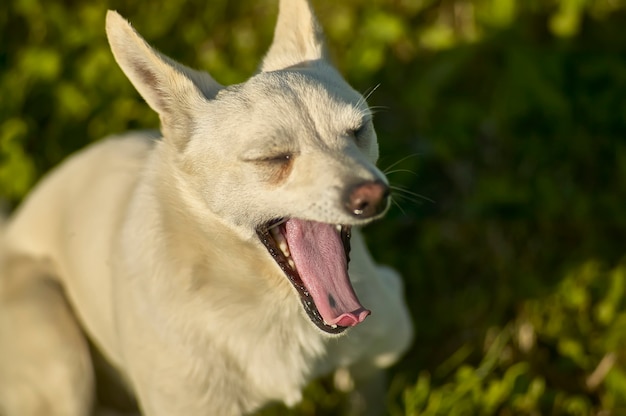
[153, 243]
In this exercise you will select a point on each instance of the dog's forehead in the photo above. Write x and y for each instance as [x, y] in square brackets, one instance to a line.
[303, 102]
[304, 87]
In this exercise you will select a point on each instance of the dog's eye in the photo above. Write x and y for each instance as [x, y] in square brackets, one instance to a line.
[357, 132]
[276, 169]
[278, 159]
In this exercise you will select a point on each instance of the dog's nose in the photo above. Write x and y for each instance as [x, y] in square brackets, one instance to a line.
[367, 199]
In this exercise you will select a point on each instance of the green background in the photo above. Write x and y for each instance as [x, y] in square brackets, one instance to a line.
[501, 124]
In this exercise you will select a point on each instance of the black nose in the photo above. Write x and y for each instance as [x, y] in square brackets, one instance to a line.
[367, 199]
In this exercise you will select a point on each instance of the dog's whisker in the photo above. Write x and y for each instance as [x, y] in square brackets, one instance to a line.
[369, 93]
[362, 102]
[366, 113]
[393, 201]
[403, 193]
[403, 190]
[402, 197]
[397, 199]
[390, 172]
[377, 108]
[396, 163]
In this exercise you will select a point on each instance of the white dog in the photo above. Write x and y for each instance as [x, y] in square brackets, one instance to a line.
[208, 267]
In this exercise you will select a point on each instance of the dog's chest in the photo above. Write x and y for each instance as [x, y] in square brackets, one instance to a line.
[279, 363]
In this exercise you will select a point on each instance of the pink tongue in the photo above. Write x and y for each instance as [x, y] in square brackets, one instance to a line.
[320, 259]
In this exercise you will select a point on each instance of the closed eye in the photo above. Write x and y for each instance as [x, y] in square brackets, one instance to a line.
[358, 133]
[277, 158]
[280, 158]
[275, 169]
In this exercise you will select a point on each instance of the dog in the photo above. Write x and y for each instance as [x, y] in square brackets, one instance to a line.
[208, 265]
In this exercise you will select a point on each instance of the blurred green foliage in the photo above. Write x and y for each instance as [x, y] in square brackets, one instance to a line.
[502, 127]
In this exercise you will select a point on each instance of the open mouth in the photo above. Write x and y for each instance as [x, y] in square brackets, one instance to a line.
[314, 256]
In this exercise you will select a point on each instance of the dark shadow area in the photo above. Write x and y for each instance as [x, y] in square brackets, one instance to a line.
[519, 143]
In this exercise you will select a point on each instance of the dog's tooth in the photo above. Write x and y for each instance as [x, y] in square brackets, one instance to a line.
[333, 326]
[338, 227]
[284, 247]
[281, 241]
[292, 264]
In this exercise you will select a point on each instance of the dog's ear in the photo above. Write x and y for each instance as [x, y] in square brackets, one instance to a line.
[298, 37]
[171, 89]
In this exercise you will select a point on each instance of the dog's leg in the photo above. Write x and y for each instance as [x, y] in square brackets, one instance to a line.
[381, 339]
[366, 387]
[45, 367]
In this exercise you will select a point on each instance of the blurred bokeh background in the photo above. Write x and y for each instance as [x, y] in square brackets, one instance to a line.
[501, 125]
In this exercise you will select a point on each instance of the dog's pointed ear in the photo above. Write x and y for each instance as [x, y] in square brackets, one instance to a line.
[298, 37]
[171, 89]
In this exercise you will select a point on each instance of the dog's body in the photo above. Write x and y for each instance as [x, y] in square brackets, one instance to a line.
[159, 244]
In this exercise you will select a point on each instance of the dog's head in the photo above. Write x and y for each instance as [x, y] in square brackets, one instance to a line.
[286, 158]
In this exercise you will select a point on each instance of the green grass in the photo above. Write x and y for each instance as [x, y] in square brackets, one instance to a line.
[504, 121]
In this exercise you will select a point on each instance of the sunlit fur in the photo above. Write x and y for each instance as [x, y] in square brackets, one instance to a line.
[151, 242]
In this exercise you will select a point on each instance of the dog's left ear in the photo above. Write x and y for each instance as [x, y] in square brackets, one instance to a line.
[298, 37]
[171, 89]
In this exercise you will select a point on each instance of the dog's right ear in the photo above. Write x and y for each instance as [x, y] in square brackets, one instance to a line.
[298, 37]
[171, 89]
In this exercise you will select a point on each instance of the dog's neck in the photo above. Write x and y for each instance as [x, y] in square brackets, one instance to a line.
[205, 247]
